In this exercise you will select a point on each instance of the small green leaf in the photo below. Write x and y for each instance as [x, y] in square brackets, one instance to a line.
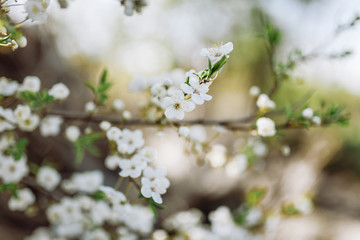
[217, 66]
[18, 149]
[290, 210]
[255, 196]
[99, 195]
[12, 187]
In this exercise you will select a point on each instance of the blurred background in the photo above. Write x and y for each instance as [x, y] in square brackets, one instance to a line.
[75, 44]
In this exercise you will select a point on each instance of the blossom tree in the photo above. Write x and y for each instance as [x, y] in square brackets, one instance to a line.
[82, 205]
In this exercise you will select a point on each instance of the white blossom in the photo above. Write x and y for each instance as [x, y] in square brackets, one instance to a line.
[133, 167]
[8, 88]
[90, 107]
[50, 125]
[7, 119]
[130, 141]
[197, 91]
[254, 91]
[36, 9]
[29, 124]
[31, 83]
[176, 105]
[154, 183]
[217, 52]
[265, 127]
[113, 134]
[48, 178]
[24, 198]
[11, 170]
[118, 105]
[237, 166]
[184, 131]
[307, 113]
[126, 115]
[87, 182]
[253, 216]
[59, 91]
[22, 112]
[264, 102]
[316, 120]
[112, 161]
[105, 125]
[148, 154]
[72, 133]
[113, 196]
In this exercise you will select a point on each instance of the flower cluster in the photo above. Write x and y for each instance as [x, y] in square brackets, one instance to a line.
[134, 161]
[178, 92]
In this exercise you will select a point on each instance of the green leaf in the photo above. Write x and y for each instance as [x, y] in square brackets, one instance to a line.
[99, 195]
[86, 142]
[100, 90]
[36, 100]
[18, 149]
[12, 187]
[255, 196]
[290, 210]
[217, 66]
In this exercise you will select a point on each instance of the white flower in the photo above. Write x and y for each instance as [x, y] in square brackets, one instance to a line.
[31, 83]
[176, 105]
[316, 120]
[113, 196]
[112, 161]
[196, 90]
[138, 84]
[264, 102]
[254, 91]
[217, 52]
[265, 127]
[7, 119]
[90, 107]
[154, 183]
[87, 182]
[50, 125]
[8, 88]
[126, 115]
[130, 141]
[148, 154]
[237, 166]
[304, 205]
[105, 125]
[36, 9]
[72, 133]
[158, 92]
[118, 105]
[11, 170]
[59, 91]
[307, 113]
[184, 131]
[217, 155]
[48, 178]
[22, 112]
[113, 134]
[197, 133]
[133, 167]
[286, 150]
[40, 233]
[253, 217]
[96, 234]
[24, 199]
[30, 123]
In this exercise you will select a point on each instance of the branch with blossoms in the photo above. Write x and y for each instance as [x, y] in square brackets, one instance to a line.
[81, 206]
